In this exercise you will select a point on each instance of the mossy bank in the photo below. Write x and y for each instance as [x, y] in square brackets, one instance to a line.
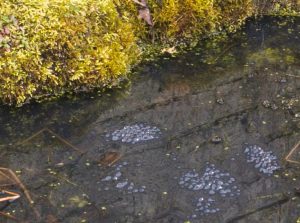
[49, 47]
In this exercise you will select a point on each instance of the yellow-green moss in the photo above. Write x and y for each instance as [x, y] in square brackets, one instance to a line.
[174, 19]
[48, 47]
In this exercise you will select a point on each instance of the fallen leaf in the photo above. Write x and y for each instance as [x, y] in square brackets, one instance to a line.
[110, 158]
[144, 12]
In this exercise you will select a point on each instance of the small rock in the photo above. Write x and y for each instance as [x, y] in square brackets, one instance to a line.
[216, 139]
[274, 107]
[220, 101]
[266, 104]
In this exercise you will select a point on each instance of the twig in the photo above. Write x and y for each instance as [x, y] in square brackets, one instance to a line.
[7, 177]
[31, 137]
[13, 197]
[18, 182]
[287, 158]
[53, 133]
[9, 216]
[26, 192]
[64, 141]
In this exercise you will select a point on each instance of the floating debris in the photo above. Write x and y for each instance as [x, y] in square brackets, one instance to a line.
[206, 206]
[135, 133]
[119, 182]
[214, 181]
[265, 161]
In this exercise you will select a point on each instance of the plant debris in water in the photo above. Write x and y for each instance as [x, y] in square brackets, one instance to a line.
[135, 133]
[265, 161]
[213, 180]
[109, 158]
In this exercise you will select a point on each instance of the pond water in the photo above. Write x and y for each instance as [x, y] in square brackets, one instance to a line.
[205, 136]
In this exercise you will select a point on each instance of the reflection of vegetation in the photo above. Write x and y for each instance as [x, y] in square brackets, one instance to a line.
[272, 56]
[73, 115]
[78, 201]
[217, 52]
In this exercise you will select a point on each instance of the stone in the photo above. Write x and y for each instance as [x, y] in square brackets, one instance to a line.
[216, 139]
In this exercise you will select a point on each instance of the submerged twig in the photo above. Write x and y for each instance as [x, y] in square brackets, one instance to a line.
[22, 186]
[19, 183]
[287, 158]
[12, 196]
[54, 134]
[9, 216]
[7, 177]
[64, 141]
[31, 137]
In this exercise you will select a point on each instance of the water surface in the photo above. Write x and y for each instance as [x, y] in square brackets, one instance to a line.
[191, 118]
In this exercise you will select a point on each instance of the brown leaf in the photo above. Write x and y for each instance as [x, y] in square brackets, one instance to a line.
[109, 158]
[144, 12]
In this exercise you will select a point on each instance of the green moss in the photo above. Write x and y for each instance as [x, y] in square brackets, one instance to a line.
[49, 47]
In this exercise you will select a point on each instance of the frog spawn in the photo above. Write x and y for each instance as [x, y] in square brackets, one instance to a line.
[120, 182]
[135, 133]
[206, 206]
[214, 181]
[265, 161]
